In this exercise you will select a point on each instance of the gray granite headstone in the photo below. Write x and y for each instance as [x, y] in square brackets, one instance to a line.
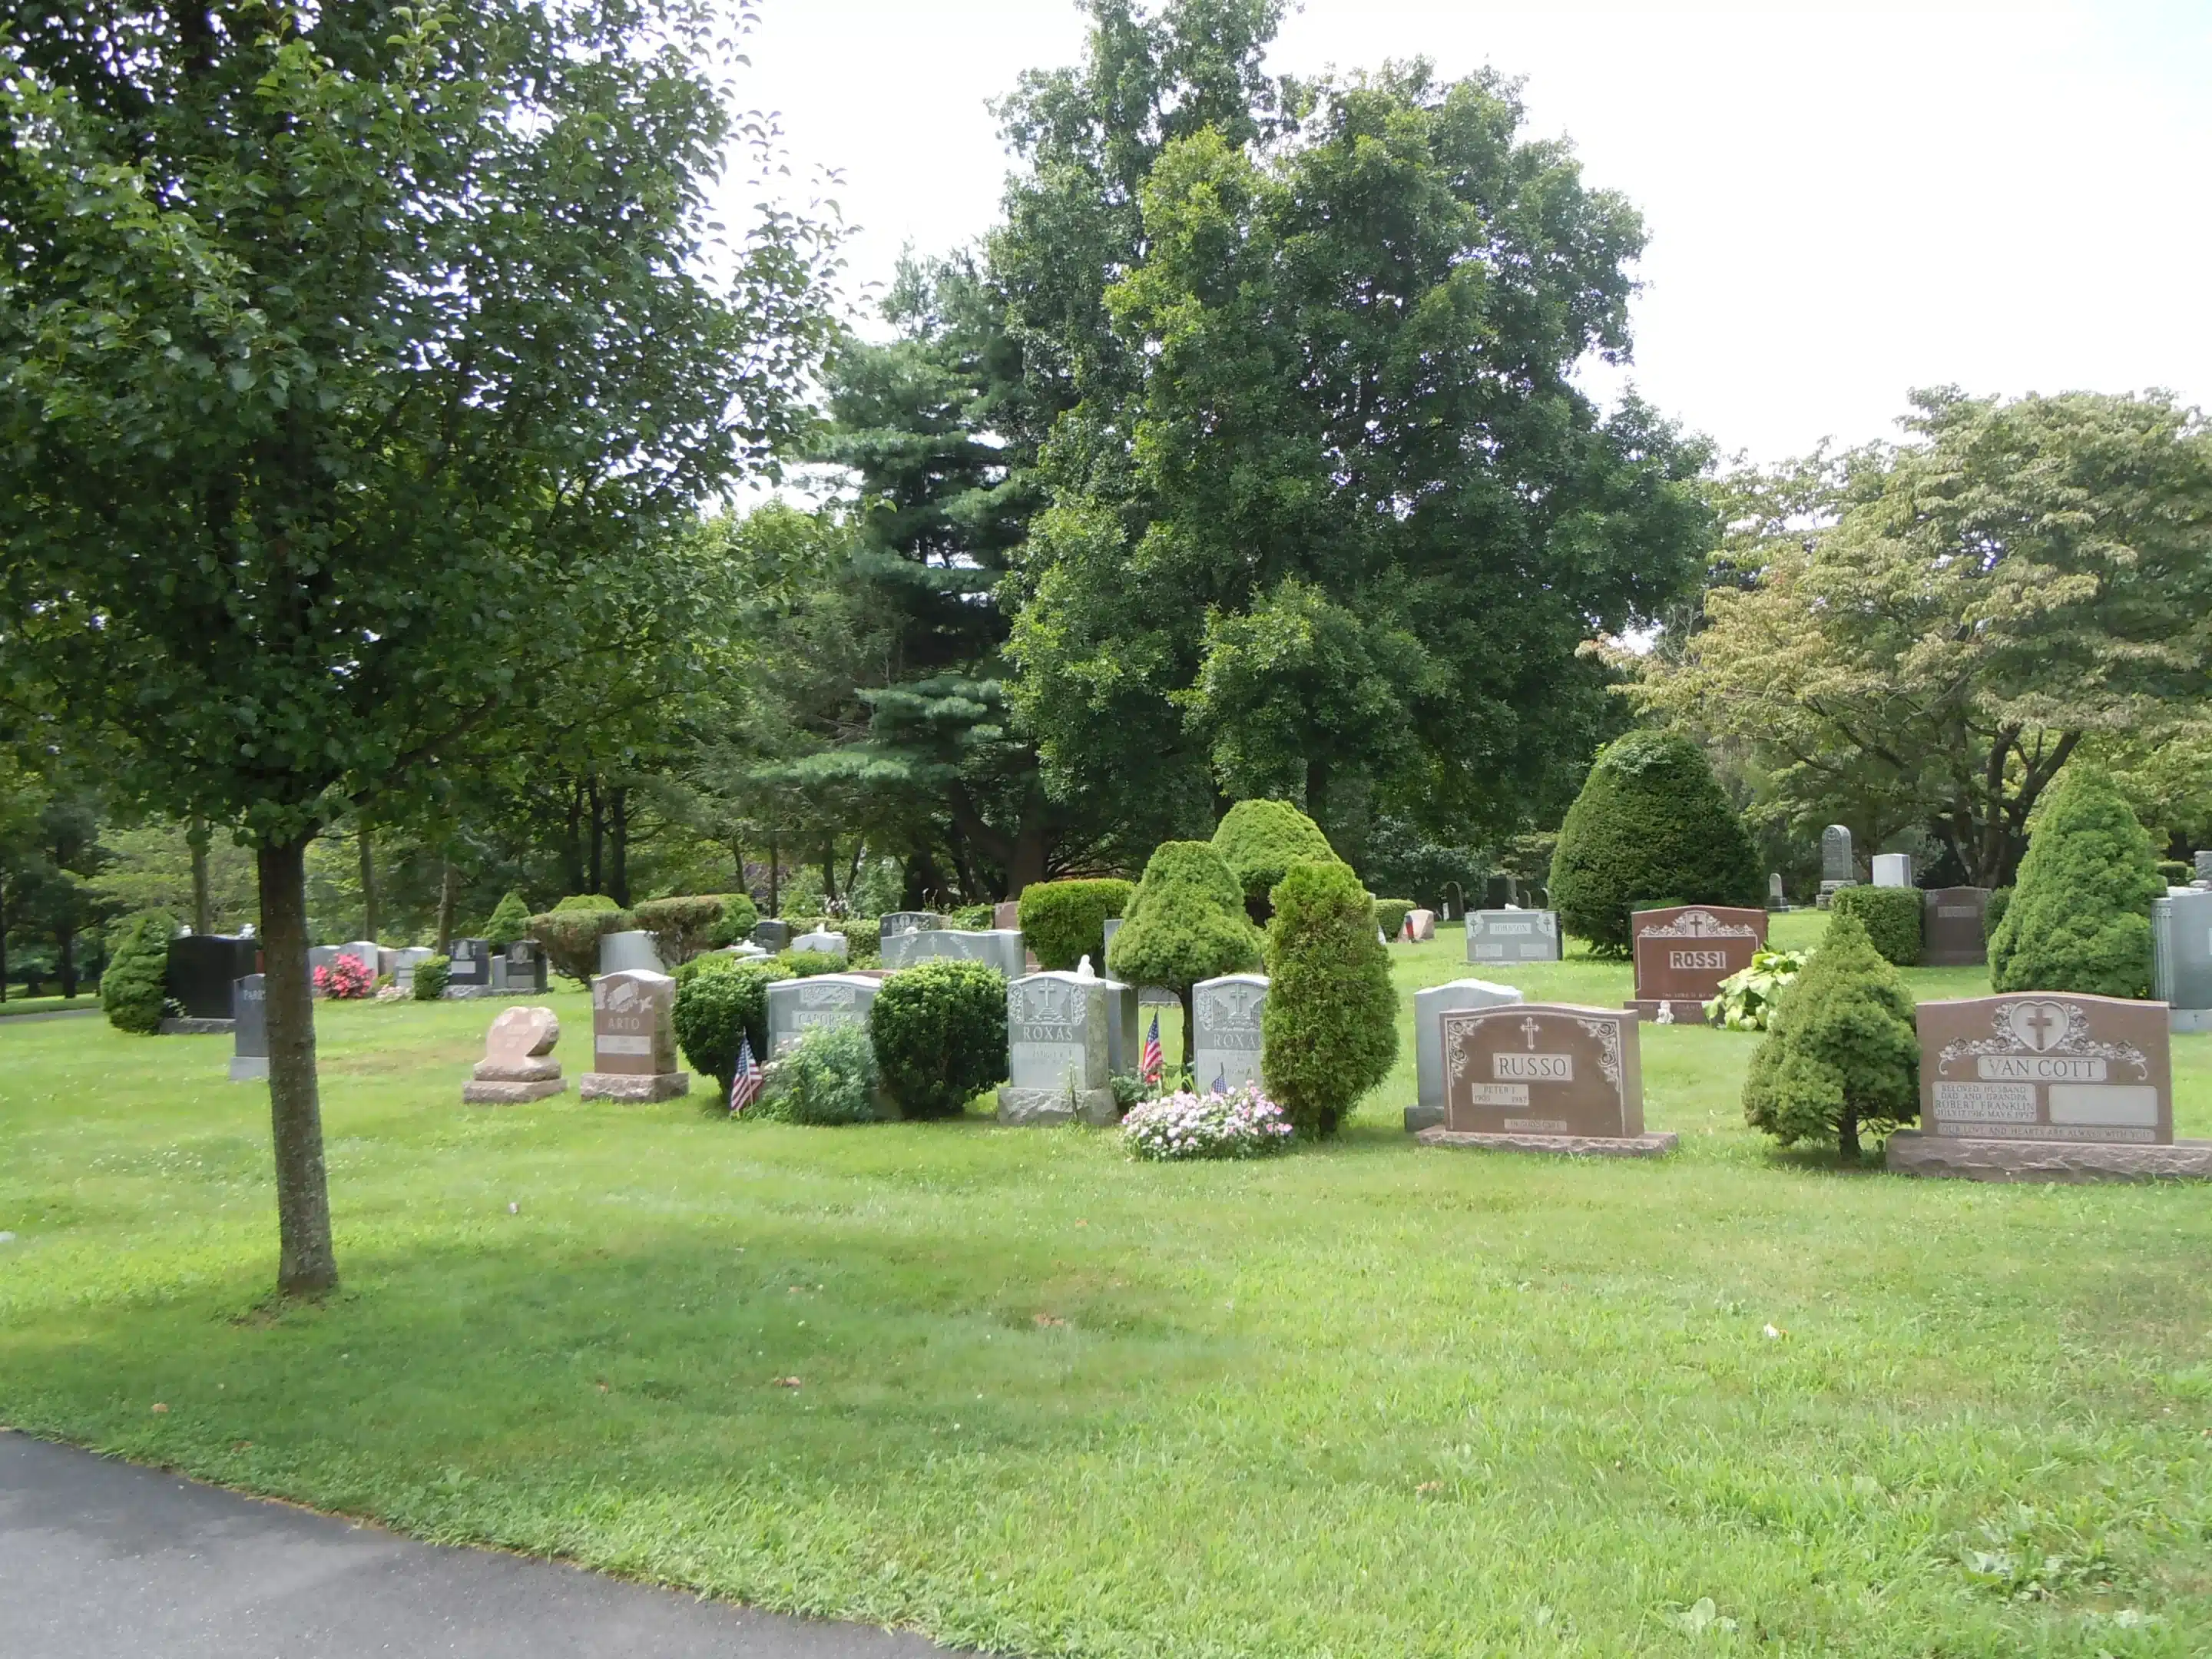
[771, 935]
[1124, 1043]
[908, 921]
[821, 942]
[1776, 899]
[1059, 1064]
[1002, 949]
[1513, 936]
[322, 956]
[1226, 1050]
[796, 1007]
[2204, 866]
[364, 951]
[404, 963]
[633, 952]
[1836, 865]
[1430, 1006]
[2181, 956]
[526, 967]
[249, 1053]
[1893, 869]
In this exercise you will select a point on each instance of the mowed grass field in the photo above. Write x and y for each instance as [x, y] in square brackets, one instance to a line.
[1009, 1388]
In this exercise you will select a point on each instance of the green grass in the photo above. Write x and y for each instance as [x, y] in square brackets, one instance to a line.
[1367, 1399]
[20, 1004]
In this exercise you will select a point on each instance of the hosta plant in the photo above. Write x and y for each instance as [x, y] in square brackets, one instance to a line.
[1748, 995]
[1241, 1123]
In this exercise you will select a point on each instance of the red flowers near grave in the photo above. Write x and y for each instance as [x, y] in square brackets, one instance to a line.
[343, 978]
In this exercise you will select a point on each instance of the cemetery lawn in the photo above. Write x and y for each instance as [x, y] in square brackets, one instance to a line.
[1011, 1390]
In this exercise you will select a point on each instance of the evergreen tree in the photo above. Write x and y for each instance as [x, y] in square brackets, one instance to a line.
[1329, 1031]
[1841, 1052]
[2079, 919]
[1259, 840]
[1185, 923]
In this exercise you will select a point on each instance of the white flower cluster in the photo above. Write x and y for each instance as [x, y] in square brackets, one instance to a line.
[1243, 1123]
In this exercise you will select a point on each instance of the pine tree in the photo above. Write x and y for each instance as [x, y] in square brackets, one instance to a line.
[2080, 915]
[1329, 1031]
[1841, 1051]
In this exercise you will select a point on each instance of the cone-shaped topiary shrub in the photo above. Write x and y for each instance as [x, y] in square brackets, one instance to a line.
[1841, 1052]
[1650, 821]
[1993, 915]
[510, 921]
[2080, 915]
[135, 988]
[1259, 840]
[723, 1004]
[571, 932]
[1892, 917]
[1065, 921]
[1185, 922]
[1328, 1031]
[940, 1035]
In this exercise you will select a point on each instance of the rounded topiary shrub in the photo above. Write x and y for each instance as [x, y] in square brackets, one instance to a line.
[1186, 922]
[681, 927]
[587, 901]
[135, 988]
[1841, 1053]
[1993, 912]
[864, 940]
[2080, 915]
[1650, 820]
[570, 933]
[827, 1078]
[1259, 840]
[940, 1035]
[509, 920]
[430, 976]
[718, 1006]
[2176, 873]
[1891, 916]
[1328, 1031]
[1063, 921]
[1390, 915]
[740, 915]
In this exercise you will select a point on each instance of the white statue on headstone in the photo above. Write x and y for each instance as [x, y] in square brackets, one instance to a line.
[1084, 970]
[1666, 1016]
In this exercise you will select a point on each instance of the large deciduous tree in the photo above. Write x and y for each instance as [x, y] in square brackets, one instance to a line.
[1929, 638]
[1338, 521]
[351, 356]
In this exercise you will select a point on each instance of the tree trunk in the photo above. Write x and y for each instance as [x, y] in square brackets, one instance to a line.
[618, 831]
[446, 897]
[1190, 1039]
[1025, 859]
[1847, 1136]
[306, 1264]
[572, 848]
[3, 939]
[202, 910]
[368, 916]
[828, 874]
[774, 870]
[599, 836]
[65, 948]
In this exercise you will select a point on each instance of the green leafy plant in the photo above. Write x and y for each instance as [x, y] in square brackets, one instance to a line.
[134, 991]
[827, 1078]
[1841, 1053]
[1329, 1029]
[430, 976]
[1390, 915]
[510, 921]
[864, 940]
[1748, 995]
[1649, 820]
[1186, 922]
[1259, 840]
[681, 927]
[940, 1035]
[1063, 921]
[1892, 917]
[2000, 901]
[571, 932]
[971, 918]
[2080, 915]
[720, 1006]
[2176, 873]
[586, 903]
[806, 965]
[736, 924]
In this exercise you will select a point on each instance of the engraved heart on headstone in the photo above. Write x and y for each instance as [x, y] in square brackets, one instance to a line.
[2038, 1025]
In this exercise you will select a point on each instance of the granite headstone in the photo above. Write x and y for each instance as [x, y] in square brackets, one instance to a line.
[1225, 1052]
[1952, 927]
[201, 973]
[1513, 936]
[2046, 1065]
[908, 921]
[249, 1052]
[634, 951]
[1430, 1006]
[633, 1039]
[770, 934]
[1059, 1064]
[1543, 1070]
[518, 1064]
[796, 1007]
[1683, 952]
[1893, 869]
[2181, 956]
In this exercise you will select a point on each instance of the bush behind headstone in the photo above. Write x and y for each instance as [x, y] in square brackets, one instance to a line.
[571, 936]
[430, 976]
[508, 922]
[681, 927]
[720, 1003]
[1390, 915]
[1651, 819]
[736, 924]
[940, 1035]
[2080, 915]
[1063, 921]
[135, 988]
[1841, 1051]
[1185, 922]
[1892, 917]
[1993, 912]
[1329, 1028]
[1261, 840]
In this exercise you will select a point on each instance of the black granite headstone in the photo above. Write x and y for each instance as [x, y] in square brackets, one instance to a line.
[202, 967]
[472, 960]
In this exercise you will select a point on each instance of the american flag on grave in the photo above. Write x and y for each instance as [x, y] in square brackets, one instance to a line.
[1152, 1062]
[745, 1083]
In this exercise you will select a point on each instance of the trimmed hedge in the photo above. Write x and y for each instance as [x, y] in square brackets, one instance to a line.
[681, 927]
[806, 965]
[2176, 873]
[430, 976]
[509, 920]
[940, 1035]
[1261, 840]
[864, 940]
[1891, 916]
[1185, 922]
[1841, 1051]
[720, 1004]
[736, 924]
[1328, 1031]
[1063, 921]
[1390, 915]
[2080, 915]
[134, 991]
[1649, 820]
[828, 1077]
[571, 932]
[586, 902]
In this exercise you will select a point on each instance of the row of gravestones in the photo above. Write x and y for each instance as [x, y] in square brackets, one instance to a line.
[204, 970]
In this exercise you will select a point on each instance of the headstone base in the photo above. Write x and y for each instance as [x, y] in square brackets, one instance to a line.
[1687, 1011]
[1056, 1105]
[635, 1086]
[538, 1069]
[1914, 1151]
[199, 1027]
[1650, 1145]
[1419, 1118]
[471, 992]
[515, 1094]
[249, 1068]
[2189, 1020]
[1829, 889]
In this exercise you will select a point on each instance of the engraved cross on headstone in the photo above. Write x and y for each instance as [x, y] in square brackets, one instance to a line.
[1529, 1030]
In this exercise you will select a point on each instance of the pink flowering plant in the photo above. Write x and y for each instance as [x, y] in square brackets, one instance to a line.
[1241, 1123]
[344, 978]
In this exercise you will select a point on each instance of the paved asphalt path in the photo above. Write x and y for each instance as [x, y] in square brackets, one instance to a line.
[99, 1559]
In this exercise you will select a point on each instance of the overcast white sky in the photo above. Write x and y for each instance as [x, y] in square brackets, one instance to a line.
[1844, 202]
